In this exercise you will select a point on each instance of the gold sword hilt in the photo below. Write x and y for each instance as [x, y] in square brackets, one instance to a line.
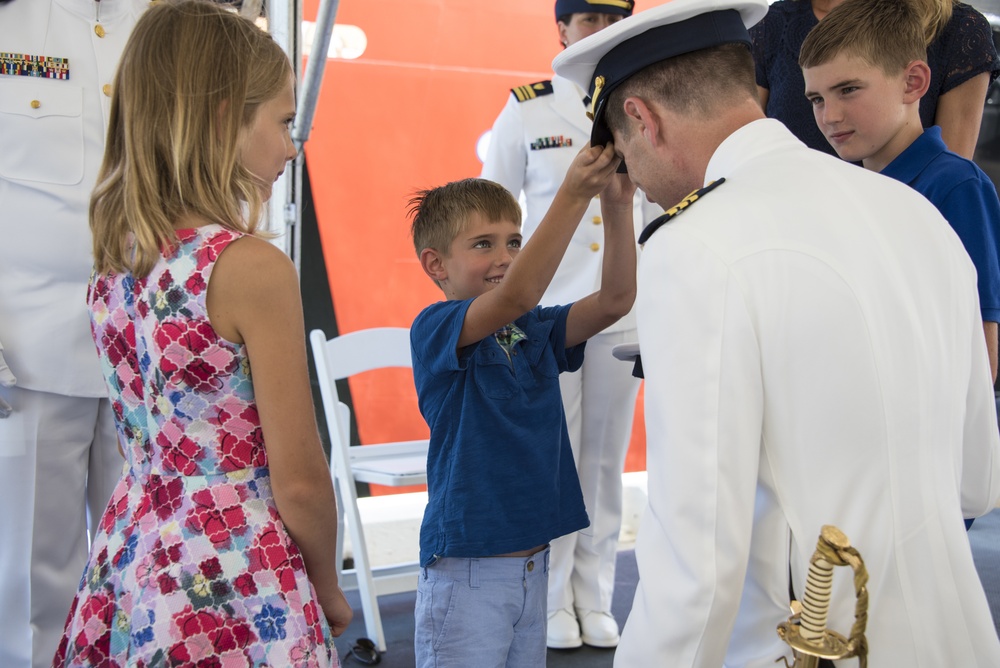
[805, 631]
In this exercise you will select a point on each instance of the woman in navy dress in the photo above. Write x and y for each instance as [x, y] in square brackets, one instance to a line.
[960, 52]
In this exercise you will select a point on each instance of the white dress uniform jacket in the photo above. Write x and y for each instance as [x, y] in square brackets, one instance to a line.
[519, 160]
[58, 449]
[51, 147]
[813, 354]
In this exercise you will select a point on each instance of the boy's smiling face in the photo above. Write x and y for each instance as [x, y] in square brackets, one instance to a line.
[865, 114]
[479, 257]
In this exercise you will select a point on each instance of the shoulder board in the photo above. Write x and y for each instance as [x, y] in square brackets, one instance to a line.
[677, 210]
[531, 91]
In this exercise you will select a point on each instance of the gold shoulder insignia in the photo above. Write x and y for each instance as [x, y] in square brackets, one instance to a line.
[531, 91]
[675, 211]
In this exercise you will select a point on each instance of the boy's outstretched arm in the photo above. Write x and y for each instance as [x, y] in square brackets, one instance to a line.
[530, 272]
[614, 299]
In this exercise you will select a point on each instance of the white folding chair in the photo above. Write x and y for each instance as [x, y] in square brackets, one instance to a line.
[393, 464]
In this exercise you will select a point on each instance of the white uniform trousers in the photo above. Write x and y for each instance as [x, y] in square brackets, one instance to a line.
[59, 463]
[599, 400]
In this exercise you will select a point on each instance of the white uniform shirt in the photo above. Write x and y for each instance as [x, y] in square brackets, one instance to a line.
[519, 161]
[813, 354]
[51, 147]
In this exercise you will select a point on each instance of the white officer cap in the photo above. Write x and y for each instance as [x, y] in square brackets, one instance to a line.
[601, 62]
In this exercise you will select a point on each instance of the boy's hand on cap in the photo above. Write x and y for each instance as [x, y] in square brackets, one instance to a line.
[590, 171]
[618, 193]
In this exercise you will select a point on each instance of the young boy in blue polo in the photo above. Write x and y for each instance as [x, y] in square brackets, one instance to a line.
[865, 71]
[501, 480]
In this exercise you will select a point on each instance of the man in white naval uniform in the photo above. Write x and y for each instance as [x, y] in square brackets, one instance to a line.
[813, 354]
[59, 456]
[535, 138]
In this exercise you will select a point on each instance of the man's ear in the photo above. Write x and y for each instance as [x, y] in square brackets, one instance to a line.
[642, 119]
[916, 79]
[433, 264]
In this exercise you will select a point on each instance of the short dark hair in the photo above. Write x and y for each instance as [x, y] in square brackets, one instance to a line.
[439, 214]
[700, 82]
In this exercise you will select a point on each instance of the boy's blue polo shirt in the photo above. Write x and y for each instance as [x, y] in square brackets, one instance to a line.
[500, 472]
[965, 196]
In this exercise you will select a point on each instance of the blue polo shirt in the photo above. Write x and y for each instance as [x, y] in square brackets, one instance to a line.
[500, 471]
[965, 196]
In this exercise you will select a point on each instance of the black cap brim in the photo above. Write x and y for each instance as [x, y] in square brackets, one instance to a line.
[656, 44]
[658, 33]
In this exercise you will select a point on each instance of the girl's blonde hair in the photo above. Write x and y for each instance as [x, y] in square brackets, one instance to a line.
[934, 16]
[191, 77]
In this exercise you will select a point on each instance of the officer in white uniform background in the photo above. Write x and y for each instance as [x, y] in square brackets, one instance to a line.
[59, 454]
[813, 354]
[534, 139]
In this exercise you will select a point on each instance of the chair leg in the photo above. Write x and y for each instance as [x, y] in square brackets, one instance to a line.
[366, 581]
[348, 491]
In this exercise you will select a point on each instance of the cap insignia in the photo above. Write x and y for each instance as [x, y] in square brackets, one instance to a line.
[598, 85]
[621, 4]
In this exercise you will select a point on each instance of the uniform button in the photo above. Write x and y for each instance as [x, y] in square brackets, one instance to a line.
[597, 196]
[597, 220]
[595, 246]
[106, 88]
[531, 566]
[99, 30]
[35, 104]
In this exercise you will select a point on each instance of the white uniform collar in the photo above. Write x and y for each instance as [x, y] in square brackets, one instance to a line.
[569, 103]
[581, 93]
[750, 141]
[87, 9]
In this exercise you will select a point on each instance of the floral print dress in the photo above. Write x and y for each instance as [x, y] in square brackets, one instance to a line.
[191, 564]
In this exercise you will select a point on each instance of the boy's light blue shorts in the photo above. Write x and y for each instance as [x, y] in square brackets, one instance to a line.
[487, 613]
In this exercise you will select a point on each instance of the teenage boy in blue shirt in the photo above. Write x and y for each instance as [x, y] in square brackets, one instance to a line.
[865, 71]
[501, 480]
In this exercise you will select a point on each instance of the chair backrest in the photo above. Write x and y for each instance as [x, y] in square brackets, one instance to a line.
[397, 464]
[364, 350]
[349, 354]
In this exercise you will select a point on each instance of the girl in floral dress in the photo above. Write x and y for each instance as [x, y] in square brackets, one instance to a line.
[216, 547]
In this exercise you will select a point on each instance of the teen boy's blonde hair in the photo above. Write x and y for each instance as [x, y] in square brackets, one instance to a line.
[191, 77]
[887, 34]
[439, 214]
